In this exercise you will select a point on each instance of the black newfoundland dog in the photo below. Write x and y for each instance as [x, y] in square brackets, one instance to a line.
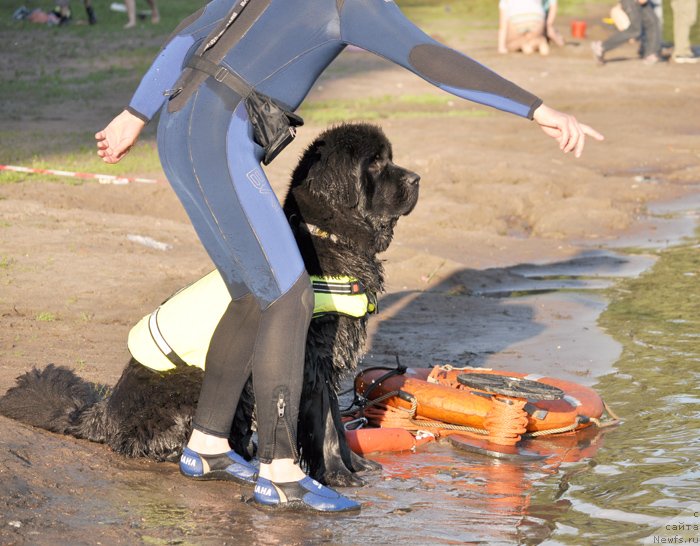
[345, 198]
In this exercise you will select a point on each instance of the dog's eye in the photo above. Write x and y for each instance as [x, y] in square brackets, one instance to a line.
[377, 161]
[375, 166]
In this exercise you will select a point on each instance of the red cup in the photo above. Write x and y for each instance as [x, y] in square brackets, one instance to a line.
[578, 29]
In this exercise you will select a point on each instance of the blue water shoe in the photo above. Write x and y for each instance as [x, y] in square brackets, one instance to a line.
[228, 466]
[306, 494]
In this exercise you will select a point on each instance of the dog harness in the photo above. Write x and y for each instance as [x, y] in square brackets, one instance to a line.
[179, 331]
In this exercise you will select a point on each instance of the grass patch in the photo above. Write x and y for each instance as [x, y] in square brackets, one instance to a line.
[46, 316]
[59, 85]
[427, 12]
[56, 88]
[87, 317]
[387, 106]
[80, 365]
[143, 157]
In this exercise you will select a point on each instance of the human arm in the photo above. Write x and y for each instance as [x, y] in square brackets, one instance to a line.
[551, 32]
[117, 138]
[502, 30]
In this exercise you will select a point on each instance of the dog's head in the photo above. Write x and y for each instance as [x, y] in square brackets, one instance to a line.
[347, 185]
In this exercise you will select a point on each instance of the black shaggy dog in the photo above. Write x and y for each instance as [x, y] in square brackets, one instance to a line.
[345, 198]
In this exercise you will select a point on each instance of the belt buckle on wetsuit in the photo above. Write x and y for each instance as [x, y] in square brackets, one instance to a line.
[221, 74]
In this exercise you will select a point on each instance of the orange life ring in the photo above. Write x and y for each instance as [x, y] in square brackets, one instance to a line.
[569, 447]
[439, 396]
[374, 440]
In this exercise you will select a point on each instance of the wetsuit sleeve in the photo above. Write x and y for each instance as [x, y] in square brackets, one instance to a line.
[167, 66]
[380, 27]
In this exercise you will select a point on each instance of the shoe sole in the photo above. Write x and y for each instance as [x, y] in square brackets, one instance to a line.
[300, 506]
[220, 475]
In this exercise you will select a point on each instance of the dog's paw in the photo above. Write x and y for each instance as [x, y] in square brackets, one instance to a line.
[342, 478]
[364, 465]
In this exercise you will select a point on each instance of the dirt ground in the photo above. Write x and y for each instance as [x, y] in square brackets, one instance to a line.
[496, 193]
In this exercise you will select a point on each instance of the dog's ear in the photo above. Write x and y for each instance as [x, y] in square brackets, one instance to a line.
[329, 173]
[308, 161]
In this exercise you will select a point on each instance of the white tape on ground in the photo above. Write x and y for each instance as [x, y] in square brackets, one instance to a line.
[101, 178]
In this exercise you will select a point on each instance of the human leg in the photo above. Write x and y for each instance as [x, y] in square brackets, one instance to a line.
[228, 365]
[651, 32]
[155, 14]
[195, 156]
[633, 32]
[277, 380]
[524, 36]
[278, 371]
[268, 342]
[92, 19]
[130, 13]
[542, 45]
[685, 14]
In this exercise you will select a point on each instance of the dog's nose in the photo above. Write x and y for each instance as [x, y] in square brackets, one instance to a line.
[412, 179]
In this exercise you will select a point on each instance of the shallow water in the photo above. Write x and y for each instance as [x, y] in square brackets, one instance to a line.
[649, 470]
[634, 483]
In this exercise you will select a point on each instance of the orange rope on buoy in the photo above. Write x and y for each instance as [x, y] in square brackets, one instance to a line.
[388, 417]
[506, 421]
[439, 375]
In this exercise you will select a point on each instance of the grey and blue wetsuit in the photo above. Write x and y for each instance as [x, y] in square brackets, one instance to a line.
[279, 47]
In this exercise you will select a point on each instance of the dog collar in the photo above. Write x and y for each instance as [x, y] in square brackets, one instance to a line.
[318, 232]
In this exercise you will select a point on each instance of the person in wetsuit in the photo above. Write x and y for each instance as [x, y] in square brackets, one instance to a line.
[212, 160]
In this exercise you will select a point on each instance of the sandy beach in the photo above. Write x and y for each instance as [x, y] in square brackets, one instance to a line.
[501, 211]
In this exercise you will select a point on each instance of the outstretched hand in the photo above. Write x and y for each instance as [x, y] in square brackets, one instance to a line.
[115, 140]
[565, 129]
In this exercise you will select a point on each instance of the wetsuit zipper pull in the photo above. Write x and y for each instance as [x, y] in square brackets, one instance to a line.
[281, 405]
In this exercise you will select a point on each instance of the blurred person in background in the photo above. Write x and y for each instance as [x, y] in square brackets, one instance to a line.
[643, 25]
[131, 12]
[685, 14]
[527, 26]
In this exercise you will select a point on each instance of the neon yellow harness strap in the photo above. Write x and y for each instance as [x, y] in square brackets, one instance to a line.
[180, 330]
[341, 296]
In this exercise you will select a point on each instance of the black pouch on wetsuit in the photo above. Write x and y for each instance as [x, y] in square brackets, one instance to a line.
[273, 126]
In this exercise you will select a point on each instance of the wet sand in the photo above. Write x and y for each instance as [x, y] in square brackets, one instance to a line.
[500, 265]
